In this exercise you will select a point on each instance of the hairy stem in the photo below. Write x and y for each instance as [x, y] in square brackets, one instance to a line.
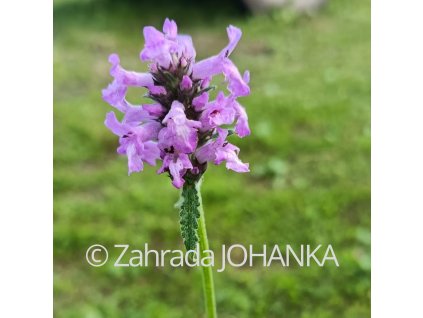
[208, 284]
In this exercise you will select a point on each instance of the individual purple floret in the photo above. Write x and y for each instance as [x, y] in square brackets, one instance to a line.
[183, 127]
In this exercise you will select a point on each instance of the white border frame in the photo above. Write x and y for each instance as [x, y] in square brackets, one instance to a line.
[26, 225]
[397, 158]
[26, 169]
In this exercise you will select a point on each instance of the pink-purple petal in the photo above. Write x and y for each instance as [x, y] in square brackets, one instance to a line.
[236, 84]
[128, 78]
[114, 125]
[234, 35]
[200, 101]
[170, 29]
[180, 133]
[134, 160]
[242, 128]
[186, 83]
[229, 153]
[114, 94]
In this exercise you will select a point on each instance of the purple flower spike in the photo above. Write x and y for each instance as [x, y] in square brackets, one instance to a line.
[182, 127]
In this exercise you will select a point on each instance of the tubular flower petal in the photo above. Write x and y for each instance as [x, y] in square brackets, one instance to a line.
[221, 63]
[135, 142]
[177, 165]
[128, 78]
[180, 132]
[220, 150]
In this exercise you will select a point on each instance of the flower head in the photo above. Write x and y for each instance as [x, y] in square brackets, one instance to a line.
[182, 127]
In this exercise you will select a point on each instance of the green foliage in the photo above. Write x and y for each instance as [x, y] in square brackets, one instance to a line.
[309, 155]
[189, 213]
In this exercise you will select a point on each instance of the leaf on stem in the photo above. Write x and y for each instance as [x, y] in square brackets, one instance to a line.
[189, 214]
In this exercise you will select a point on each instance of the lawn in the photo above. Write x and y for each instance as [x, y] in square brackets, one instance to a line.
[309, 154]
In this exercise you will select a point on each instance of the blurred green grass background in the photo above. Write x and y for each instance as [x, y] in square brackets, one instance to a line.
[309, 156]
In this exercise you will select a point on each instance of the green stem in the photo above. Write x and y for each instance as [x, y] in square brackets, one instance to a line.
[208, 284]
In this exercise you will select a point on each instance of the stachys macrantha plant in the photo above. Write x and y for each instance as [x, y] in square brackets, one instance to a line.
[182, 127]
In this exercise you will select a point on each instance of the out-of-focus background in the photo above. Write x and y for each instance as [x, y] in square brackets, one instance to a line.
[309, 155]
